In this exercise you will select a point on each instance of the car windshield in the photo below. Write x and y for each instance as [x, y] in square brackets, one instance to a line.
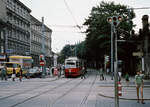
[32, 70]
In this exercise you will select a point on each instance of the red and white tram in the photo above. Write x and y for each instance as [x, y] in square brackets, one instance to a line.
[73, 67]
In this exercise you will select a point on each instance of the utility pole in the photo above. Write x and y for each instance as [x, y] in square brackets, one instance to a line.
[112, 54]
[145, 32]
[43, 49]
[114, 21]
[116, 71]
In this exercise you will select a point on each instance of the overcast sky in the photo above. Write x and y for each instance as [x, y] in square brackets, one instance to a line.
[56, 13]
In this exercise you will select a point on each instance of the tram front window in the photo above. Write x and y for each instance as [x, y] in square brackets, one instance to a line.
[70, 65]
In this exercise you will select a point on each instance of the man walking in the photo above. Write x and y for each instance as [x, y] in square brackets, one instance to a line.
[20, 74]
[83, 73]
[101, 74]
[139, 84]
[3, 73]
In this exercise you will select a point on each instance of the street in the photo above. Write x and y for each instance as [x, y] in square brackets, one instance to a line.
[68, 92]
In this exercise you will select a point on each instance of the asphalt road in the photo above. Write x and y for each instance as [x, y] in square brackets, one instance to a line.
[63, 92]
[49, 92]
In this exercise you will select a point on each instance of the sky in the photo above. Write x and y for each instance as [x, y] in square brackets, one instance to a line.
[62, 20]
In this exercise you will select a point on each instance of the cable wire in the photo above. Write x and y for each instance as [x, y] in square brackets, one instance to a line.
[67, 6]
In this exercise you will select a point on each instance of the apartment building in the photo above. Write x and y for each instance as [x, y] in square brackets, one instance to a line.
[2, 30]
[36, 41]
[21, 33]
[17, 33]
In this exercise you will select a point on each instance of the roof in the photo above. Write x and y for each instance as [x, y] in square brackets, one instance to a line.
[18, 57]
[18, 1]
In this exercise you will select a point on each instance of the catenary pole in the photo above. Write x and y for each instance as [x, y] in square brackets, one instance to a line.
[43, 48]
[112, 54]
[116, 71]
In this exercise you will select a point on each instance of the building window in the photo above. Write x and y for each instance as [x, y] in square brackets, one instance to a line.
[2, 34]
[2, 48]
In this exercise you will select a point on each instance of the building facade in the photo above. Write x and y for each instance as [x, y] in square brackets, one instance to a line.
[21, 33]
[17, 36]
[2, 30]
[36, 41]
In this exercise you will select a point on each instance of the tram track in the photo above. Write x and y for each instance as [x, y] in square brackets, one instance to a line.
[54, 93]
[22, 92]
[88, 93]
[44, 92]
[73, 88]
[67, 92]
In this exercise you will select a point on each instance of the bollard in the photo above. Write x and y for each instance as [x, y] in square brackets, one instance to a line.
[119, 89]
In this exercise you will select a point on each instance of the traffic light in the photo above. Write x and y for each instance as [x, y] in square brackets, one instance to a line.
[41, 57]
[114, 20]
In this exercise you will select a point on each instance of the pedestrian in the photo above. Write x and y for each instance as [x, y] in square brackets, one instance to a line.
[63, 69]
[127, 78]
[139, 85]
[20, 74]
[4, 73]
[53, 72]
[83, 73]
[101, 74]
[59, 71]
[13, 76]
[56, 72]
[119, 75]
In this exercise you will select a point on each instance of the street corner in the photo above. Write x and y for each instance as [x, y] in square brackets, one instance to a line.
[128, 92]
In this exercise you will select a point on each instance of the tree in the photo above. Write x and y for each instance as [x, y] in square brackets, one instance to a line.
[97, 41]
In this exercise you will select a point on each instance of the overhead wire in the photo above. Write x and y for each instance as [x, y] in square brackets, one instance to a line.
[68, 8]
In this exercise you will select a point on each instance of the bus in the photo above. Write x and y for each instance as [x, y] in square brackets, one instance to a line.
[25, 62]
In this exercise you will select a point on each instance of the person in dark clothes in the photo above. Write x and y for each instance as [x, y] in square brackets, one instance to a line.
[20, 74]
[83, 73]
[3, 73]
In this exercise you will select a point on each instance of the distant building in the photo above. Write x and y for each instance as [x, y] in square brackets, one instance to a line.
[36, 41]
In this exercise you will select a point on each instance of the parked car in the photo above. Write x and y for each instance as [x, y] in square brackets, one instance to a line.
[35, 72]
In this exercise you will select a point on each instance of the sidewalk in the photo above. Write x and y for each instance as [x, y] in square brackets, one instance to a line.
[106, 89]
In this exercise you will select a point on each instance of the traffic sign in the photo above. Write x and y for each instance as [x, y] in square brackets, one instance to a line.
[138, 54]
[42, 63]
[9, 51]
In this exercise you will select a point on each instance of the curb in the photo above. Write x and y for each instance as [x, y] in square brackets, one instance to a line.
[102, 95]
[124, 86]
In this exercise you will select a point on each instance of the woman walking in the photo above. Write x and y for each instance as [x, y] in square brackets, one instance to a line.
[127, 78]
[139, 85]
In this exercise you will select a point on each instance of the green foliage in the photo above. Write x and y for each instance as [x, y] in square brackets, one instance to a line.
[72, 50]
[97, 42]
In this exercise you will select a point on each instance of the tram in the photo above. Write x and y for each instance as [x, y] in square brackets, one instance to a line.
[73, 67]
